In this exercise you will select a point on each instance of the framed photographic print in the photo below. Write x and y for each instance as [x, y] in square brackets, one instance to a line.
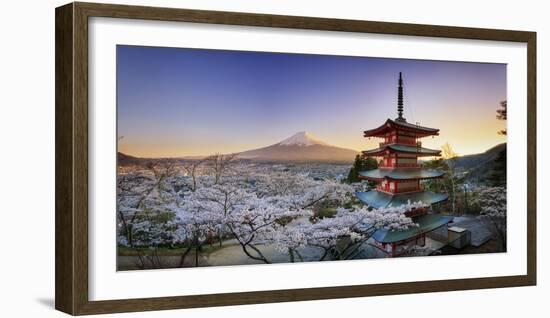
[218, 158]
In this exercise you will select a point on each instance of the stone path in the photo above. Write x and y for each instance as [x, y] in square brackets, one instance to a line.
[234, 255]
[480, 233]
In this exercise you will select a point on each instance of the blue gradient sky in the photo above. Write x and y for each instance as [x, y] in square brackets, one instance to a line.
[179, 102]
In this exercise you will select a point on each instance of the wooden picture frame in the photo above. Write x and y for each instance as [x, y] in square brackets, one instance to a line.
[71, 90]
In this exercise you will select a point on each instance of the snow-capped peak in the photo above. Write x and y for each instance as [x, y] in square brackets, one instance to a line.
[302, 139]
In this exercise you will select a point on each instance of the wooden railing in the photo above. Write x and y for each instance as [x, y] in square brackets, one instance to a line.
[400, 165]
[416, 144]
[388, 190]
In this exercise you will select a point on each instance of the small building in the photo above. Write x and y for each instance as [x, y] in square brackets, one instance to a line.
[399, 177]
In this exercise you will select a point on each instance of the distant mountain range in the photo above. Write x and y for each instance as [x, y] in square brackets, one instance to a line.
[303, 147]
[300, 147]
[479, 165]
[127, 160]
[471, 161]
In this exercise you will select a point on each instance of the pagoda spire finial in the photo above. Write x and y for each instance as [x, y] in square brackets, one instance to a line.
[400, 100]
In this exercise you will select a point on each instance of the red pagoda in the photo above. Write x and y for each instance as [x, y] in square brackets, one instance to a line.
[399, 177]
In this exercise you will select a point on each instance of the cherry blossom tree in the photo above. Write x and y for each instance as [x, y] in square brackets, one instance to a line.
[164, 206]
[192, 168]
[342, 236]
[146, 211]
[216, 203]
[219, 164]
[257, 221]
[492, 201]
[197, 225]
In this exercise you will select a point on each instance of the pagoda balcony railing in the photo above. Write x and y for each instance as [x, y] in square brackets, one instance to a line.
[416, 144]
[382, 144]
[390, 191]
[400, 165]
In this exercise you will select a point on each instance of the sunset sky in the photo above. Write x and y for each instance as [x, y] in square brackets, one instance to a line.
[184, 102]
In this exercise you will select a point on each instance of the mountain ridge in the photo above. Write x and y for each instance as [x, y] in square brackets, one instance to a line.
[474, 160]
[479, 167]
[302, 138]
[301, 147]
[305, 147]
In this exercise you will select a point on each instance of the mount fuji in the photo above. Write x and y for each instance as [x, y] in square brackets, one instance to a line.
[301, 146]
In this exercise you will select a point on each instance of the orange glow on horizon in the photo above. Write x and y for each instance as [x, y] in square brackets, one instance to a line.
[464, 140]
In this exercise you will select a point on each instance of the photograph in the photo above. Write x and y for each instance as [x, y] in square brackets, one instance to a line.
[245, 157]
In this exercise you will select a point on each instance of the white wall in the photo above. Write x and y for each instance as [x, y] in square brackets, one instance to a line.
[27, 157]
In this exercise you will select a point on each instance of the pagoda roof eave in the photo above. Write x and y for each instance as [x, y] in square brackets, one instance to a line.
[426, 223]
[397, 148]
[401, 174]
[421, 131]
[377, 199]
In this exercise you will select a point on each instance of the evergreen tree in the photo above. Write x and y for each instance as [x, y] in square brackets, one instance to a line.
[450, 184]
[361, 163]
[497, 176]
[435, 185]
[502, 114]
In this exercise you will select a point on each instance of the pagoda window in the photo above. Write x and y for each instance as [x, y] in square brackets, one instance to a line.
[406, 161]
[386, 186]
[390, 138]
[408, 186]
[408, 140]
[389, 162]
[406, 155]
